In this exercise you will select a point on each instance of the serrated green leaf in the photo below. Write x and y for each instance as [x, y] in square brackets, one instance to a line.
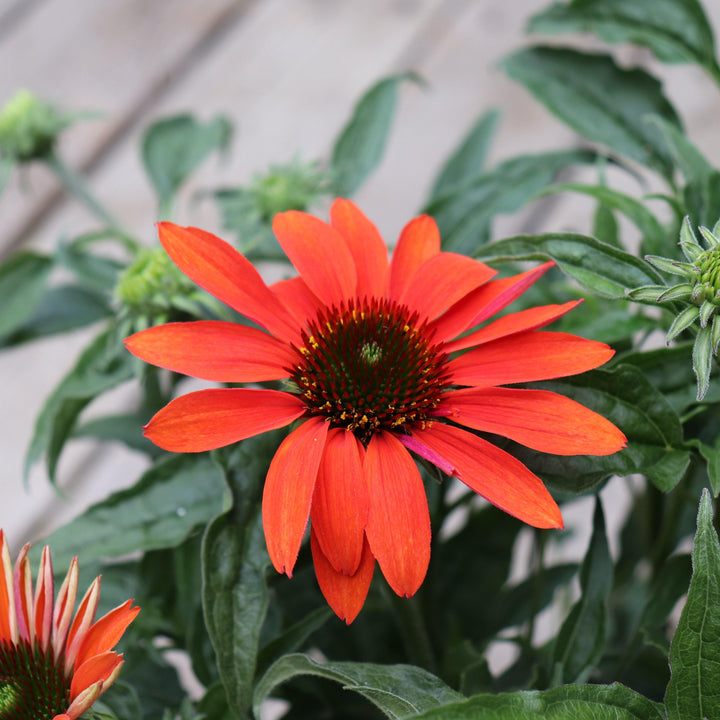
[361, 143]
[571, 702]
[468, 160]
[675, 30]
[23, 280]
[103, 365]
[168, 502]
[398, 690]
[635, 211]
[602, 268]
[172, 148]
[235, 558]
[693, 690]
[598, 99]
[464, 214]
[624, 396]
[581, 640]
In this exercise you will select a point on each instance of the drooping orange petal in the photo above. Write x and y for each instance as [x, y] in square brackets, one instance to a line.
[81, 624]
[539, 419]
[22, 583]
[319, 253]
[214, 350]
[530, 319]
[419, 241]
[366, 245]
[221, 270]
[209, 419]
[289, 489]
[97, 668]
[44, 594]
[484, 302]
[62, 613]
[340, 504]
[441, 281]
[345, 594]
[300, 300]
[398, 527]
[8, 623]
[528, 356]
[494, 474]
[106, 632]
[83, 701]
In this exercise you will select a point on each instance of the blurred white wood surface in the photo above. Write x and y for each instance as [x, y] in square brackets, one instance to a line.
[287, 75]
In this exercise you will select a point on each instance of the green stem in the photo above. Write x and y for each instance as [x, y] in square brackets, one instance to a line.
[414, 631]
[75, 185]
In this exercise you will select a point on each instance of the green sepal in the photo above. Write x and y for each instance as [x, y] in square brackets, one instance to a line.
[715, 334]
[683, 321]
[676, 292]
[670, 266]
[702, 360]
[687, 234]
[710, 237]
[648, 292]
[706, 312]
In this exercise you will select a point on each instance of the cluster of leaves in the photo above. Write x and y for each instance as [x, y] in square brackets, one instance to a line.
[194, 521]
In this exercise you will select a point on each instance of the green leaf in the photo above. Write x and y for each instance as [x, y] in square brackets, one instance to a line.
[235, 596]
[675, 30]
[398, 690]
[60, 310]
[598, 99]
[465, 212]
[126, 429]
[624, 396]
[571, 702]
[702, 360]
[602, 268]
[711, 455]
[605, 226]
[169, 501]
[23, 280]
[695, 652]
[667, 588]
[468, 160]
[581, 640]
[103, 365]
[361, 144]
[174, 147]
[635, 211]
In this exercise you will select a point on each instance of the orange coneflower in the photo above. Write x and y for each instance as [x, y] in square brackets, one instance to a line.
[50, 668]
[379, 365]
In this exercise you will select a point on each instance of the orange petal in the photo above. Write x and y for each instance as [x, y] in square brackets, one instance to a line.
[441, 281]
[209, 419]
[289, 489]
[528, 356]
[484, 302]
[214, 350]
[366, 246]
[98, 668]
[81, 624]
[22, 582]
[319, 253]
[539, 419]
[345, 594]
[419, 241]
[8, 623]
[340, 504]
[299, 299]
[530, 319]
[44, 595]
[62, 613]
[221, 270]
[106, 632]
[498, 477]
[398, 527]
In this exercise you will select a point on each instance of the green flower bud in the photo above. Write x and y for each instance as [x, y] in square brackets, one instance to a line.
[28, 127]
[286, 187]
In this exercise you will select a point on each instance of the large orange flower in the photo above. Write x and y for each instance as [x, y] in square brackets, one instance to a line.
[379, 367]
[50, 668]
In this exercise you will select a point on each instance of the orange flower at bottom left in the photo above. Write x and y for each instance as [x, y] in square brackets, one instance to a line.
[53, 667]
